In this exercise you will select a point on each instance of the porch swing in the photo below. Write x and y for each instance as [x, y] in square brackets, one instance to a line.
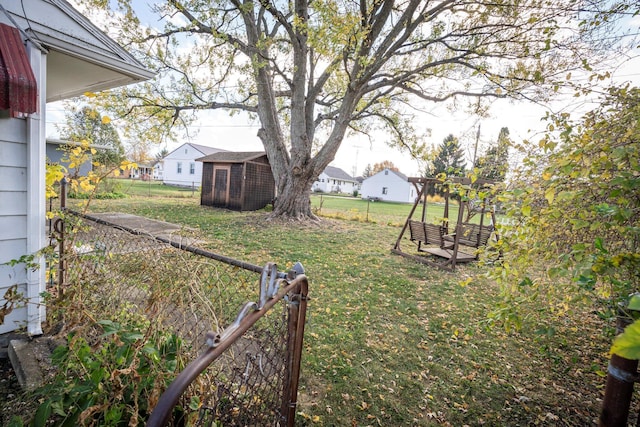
[437, 244]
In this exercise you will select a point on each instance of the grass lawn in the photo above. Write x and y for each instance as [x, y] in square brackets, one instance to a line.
[389, 213]
[392, 342]
[138, 188]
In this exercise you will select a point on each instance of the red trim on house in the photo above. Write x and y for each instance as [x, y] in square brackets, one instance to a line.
[18, 87]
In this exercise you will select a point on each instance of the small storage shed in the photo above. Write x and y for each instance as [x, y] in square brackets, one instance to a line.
[240, 181]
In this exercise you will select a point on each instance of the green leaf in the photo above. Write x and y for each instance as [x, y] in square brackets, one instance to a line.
[42, 414]
[634, 302]
[194, 404]
[599, 244]
[627, 344]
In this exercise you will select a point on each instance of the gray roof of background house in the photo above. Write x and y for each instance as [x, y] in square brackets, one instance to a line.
[400, 174]
[338, 173]
[206, 150]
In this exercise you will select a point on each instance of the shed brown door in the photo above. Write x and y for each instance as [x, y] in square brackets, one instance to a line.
[221, 177]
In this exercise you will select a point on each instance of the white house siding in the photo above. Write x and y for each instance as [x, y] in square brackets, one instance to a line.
[334, 184]
[13, 212]
[186, 156]
[327, 184]
[389, 186]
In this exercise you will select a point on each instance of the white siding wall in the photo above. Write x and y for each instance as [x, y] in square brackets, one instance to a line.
[331, 185]
[13, 213]
[22, 205]
[397, 189]
[185, 155]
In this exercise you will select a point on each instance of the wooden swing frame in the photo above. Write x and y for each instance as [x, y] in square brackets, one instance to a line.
[437, 240]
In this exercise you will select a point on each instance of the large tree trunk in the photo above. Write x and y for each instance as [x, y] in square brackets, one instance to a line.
[293, 199]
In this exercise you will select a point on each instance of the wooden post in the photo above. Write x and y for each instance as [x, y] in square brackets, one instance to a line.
[621, 374]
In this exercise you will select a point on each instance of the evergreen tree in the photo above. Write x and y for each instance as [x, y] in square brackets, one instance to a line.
[494, 163]
[450, 158]
[368, 171]
[161, 154]
[449, 161]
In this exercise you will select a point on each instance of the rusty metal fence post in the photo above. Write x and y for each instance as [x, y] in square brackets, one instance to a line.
[621, 375]
[297, 319]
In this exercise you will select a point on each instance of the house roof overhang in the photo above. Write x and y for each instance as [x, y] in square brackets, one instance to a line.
[81, 58]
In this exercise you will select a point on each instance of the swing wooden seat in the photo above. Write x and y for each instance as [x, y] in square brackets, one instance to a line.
[472, 235]
[424, 233]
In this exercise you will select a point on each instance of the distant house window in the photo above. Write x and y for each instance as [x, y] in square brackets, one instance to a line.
[185, 151]
[386, 172]
[384, 190]
[179, 167]
[192, 168]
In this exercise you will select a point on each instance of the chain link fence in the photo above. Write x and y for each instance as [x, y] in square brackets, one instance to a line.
[246, 318]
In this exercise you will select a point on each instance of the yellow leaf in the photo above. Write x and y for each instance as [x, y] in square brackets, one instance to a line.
[90, 94]
[106, 120]
[466, 282]
[546, 176]
[550, 194]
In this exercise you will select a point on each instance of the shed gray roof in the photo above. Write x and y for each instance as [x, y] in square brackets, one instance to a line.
[232, 156]
[334, 172]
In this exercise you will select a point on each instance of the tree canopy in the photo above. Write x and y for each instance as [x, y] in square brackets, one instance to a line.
[312, 72]
[89, 125]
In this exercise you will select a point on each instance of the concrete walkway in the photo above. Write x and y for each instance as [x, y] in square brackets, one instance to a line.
[166, 230]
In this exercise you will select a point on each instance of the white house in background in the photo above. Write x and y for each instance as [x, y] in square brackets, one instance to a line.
[180, 166]
[49, 52]
[335, 180]
[158, 168]
[390, 186]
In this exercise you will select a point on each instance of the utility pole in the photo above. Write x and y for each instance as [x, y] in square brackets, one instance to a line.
[354, 171]
[475, 150]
